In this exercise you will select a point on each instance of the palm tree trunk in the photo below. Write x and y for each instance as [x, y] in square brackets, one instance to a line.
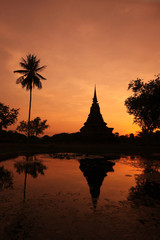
[25, 179]
[29, 111]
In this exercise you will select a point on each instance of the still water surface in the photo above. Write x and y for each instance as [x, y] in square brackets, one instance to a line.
[68, 196]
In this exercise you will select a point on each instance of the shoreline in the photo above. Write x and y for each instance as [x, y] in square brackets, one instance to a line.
[12, 150]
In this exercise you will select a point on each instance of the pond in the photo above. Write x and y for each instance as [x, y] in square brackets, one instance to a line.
[79, 197]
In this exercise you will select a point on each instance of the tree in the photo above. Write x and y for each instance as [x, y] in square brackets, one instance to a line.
[7, 116]
[6, 178]
[37, 127]
[30, 78]
[144, 105]
[23, 127]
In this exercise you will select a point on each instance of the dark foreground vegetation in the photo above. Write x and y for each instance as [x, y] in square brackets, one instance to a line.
[13, 144]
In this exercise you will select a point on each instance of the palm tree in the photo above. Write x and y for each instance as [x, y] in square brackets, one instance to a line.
[31, 77]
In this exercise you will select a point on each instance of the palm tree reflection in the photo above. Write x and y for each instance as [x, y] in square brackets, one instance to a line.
[95, 170]
[6, 178]
[30, 166]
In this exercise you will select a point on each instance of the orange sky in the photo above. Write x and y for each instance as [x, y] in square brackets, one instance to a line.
[83, 43]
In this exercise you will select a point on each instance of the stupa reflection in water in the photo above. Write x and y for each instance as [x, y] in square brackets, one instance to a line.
[95, 170]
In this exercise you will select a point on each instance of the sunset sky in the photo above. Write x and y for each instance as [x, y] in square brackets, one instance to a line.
[83, 43]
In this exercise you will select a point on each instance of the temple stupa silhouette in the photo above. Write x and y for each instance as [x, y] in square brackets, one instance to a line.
[95, 127]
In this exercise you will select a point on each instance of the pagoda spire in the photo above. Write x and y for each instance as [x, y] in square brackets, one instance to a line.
[95, 95]
[95, 127]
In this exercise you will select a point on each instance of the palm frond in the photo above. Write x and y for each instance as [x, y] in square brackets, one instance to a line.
[24, 60]
[24, 65]
[20, 80]
[27, 82]
[20, 71]
[37, 82]
[37, 62]
[40, 76]
[40, 68]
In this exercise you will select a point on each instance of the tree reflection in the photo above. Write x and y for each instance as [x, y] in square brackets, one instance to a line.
[95, 170]
[6, 178]
[30, 166]
[147, 189]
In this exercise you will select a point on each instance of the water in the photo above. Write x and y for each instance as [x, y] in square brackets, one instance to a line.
[68, 196]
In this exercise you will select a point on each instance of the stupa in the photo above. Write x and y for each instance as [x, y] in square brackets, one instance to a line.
[95, 127]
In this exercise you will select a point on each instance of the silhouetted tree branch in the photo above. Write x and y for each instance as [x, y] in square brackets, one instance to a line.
[144, 104]
[7, 116]
[37, 127]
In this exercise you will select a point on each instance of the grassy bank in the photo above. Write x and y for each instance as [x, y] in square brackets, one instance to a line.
[11, 150]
